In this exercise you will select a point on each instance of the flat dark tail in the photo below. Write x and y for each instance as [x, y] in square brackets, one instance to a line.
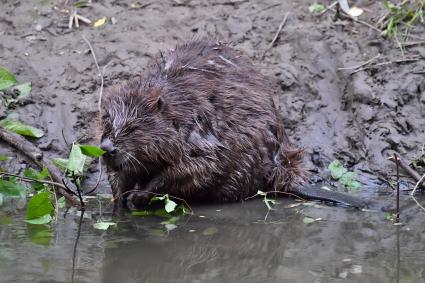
[315, 193]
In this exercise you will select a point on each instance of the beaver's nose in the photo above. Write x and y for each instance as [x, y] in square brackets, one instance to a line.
[108, 146]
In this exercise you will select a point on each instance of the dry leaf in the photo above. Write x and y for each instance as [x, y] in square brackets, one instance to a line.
[100, 22]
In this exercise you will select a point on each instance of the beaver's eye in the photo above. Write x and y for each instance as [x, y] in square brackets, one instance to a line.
[105, 116]
[176, 124]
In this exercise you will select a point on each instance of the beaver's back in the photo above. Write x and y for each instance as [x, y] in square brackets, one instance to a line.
[228, 136]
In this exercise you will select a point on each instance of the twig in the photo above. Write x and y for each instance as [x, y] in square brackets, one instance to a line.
[64, 139]
[328, 8]
[32, 180]
[98, 69]
[403, 164]
[79, 194]
[362, 64]
[36, 156]
[276, 192]
[348, 17]
[98, 178]
[412, 43]
[423, 208]
[99, 103]
[406, 60]
[282, 24]
[421, 180]
[397, 216]
[74, 251]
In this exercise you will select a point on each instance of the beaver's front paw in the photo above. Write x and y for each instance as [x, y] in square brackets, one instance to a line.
[138, 200]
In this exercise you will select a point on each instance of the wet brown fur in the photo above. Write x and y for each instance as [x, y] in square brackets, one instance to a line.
[201, 124]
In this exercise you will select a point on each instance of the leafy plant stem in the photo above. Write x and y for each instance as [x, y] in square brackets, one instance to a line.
[31, 180]
[156, 194]
[74, 253]
[79, 190]
[36, 156]
[397, 217]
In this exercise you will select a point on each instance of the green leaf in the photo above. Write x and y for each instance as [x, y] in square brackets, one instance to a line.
[269, 203]
[142, 213]
[316, 8]
[7, 79]
[40, 205]
[12, 189]
[40, 234]
[170, 226]
[46, 218]
[24, 89]
[172, 220]
[91, 150]
[1, 199]
[61, 202]
[158, 212]
[81, 3]
[103, 225]
[210, 231]
[3, 157]
[61, 163]
[20, 128]
[337, 169]
[349, 180]
[76, 160]
[170, 205]
[308, 220]
[34, 174]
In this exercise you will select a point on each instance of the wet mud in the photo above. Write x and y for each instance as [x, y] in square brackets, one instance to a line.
[359, 118]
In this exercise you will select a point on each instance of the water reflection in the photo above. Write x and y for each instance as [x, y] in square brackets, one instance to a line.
[227, 243]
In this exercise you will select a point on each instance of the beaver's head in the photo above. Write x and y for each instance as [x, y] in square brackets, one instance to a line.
[137, 128]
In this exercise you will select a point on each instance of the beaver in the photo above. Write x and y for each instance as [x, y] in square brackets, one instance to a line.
[200, 125]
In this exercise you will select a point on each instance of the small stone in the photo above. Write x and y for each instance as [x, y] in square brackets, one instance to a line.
[38, 27]
[114, 21]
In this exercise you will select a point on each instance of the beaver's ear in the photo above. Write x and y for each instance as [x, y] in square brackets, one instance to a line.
[160, 104]
[156, 102]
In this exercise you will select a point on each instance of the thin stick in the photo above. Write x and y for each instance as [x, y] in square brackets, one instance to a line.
[423, 208]
[79, 193]
[362, 64]
[276, 192]
[98, 178]
[418, 184]
[397, 216]
[282, 24]
[98, 69]
[99, 103]
[407, 60]
[403, 164]
[74, 251]
[412, 43]
[328, 8]
[357, 21]
[32, 180]
[36, 156]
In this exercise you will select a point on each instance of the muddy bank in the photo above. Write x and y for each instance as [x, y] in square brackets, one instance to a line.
[358, 118]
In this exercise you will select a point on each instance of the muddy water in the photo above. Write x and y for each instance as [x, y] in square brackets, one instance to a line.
[358, 118]
[224, 243]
